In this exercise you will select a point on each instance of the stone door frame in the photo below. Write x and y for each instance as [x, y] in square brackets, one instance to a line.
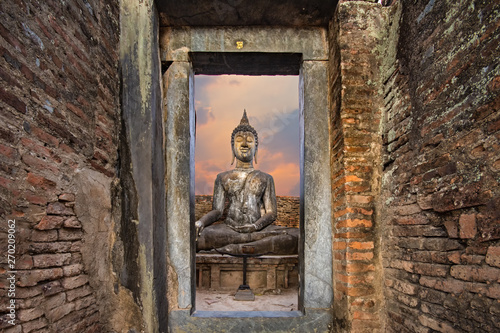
[316, 271]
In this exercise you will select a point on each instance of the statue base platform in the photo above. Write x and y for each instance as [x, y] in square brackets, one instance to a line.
[265, 273]
[244, 295]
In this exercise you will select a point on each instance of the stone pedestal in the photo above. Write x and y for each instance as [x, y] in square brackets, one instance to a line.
[225, 273]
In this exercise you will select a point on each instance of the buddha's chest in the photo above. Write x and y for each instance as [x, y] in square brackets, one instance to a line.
[245, 187]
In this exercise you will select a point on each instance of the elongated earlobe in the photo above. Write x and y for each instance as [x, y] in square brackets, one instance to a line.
[255, 157]
[232, 159]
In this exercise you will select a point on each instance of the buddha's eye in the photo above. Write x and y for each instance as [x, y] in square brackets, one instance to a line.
[239, 139]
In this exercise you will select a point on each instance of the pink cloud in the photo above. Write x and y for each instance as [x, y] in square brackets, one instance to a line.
[266, 99]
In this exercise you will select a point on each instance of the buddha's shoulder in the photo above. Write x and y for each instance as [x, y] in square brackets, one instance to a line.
[230, 174]
[263, 175]
[226, 175]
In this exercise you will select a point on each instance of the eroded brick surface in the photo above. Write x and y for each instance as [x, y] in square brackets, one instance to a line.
[441, 143]
[59, 100]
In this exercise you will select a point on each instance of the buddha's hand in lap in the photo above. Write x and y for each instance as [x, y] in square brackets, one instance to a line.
[246, 228]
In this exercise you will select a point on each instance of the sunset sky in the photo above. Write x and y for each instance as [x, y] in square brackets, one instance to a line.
[272, 104]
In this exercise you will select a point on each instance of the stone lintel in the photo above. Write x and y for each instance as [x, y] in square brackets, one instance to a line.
[246, 63]
[176, 44]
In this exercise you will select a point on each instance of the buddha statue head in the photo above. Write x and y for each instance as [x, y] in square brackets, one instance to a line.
[244, 142]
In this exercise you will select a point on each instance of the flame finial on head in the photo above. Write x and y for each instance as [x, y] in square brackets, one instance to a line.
[244, 119]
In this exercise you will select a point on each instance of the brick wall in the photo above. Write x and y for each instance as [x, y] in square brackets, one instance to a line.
[440, 196]
[59, 92]
[357, 34]
[288, 209]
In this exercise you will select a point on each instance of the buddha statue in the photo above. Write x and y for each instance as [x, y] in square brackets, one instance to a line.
[248, 227]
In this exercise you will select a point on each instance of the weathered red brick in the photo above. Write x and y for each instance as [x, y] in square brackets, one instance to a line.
[70, 234]
[72, 270]
[74, 281]
[78, 292]
[448, 285]
[72, 223]
[39, 181]
[361, 199]
[24, 262]
[40, 164]
[32, 277]
[451, 228]
[67, 197]
[29, 314]
[50, 247]
[54, 301]
[57, 313]
[355, 267]
[493, 256]
[352, 223]
[339, 245]
[359, 255]
[58, 208]
[12, 40]
[361, 245]
[50, 222]
[44, 236]
[13, 101]
[50, 260]
[401, 286]
[475, 273]
[468, 227]
[35, 198]
[437, 325]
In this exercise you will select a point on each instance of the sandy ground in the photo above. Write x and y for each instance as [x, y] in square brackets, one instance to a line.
[218, 301]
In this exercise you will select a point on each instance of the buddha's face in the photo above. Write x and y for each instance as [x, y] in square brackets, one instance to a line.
[244, 146]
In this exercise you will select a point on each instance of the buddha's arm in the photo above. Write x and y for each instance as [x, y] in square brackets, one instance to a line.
[269, 199]
[217, 208]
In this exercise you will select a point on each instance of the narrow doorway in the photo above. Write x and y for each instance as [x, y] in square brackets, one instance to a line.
[272, 106]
